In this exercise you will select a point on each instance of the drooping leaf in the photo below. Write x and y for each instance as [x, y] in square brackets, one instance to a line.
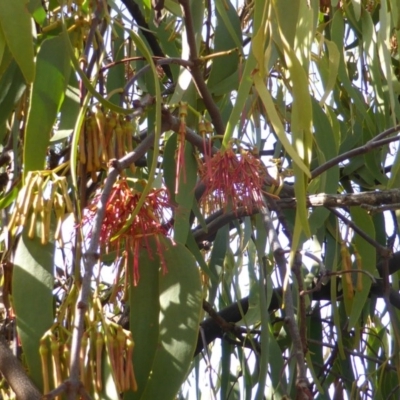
[245, 81]
[51, 79]
[12, 86]
[325, 141]
[367, 254]
[109, 390]
[337, 31]
[8, 198]
[185, 195]
[15, 22]
[32, 288]
[116, 75]
[217, 260]
[332, 69]
[69, 110]
[164, 318]
[144, 308]
[227, 37]
[35, 7]
[180, 305]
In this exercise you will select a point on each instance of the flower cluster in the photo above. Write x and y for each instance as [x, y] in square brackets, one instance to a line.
[232, 180]
[150, 221]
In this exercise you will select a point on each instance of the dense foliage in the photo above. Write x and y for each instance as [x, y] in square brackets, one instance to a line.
[199, 199]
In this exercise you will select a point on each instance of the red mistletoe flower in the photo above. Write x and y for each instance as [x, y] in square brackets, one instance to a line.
[149, 222]
[232, 180]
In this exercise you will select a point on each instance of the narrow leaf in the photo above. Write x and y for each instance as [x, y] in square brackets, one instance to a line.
[277, 124]
[180, 306]
[144, 310]
[227, 37]
[52, 75]
[32, 287]
[15, 22]
[185, 195]
[367, 254]
[12, 86]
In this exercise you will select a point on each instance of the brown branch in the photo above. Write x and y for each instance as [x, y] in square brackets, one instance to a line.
[354, 353]
[66, 387]
[91, 255]
[91, 258]
[164, 61]
[221, 218]
[382, 208]
[224, 325]
[151, 39]
[382, 250]
[210, 330]
[190, 135]
[15, 374]
[372, 198]
[375, 142]
[196, 70]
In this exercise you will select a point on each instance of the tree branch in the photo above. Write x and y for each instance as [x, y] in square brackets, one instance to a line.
[196, 70]
[372, 198]
[161, 62]
[383, 250]
[364, 199]
[137, 15]
[233, 314]
[15, 375]
[90, 259]
[375, 142]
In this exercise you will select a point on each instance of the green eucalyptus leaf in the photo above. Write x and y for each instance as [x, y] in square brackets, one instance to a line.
[367, 255]
[227, 37]
[12, 87]
[165, 316]
[185, 196]
[48, 90]
[144, 309]
[35, 7]
[32, 288]
[6, 200]
[69, 110]
[116, 75]
[180, 298]
[15, 22]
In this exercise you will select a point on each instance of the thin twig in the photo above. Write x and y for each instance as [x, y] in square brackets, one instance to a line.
[353, 353]
[224, 325]
[163, 61]
[91, 258]
[219, 219]
[383, 251]
[371, 144]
